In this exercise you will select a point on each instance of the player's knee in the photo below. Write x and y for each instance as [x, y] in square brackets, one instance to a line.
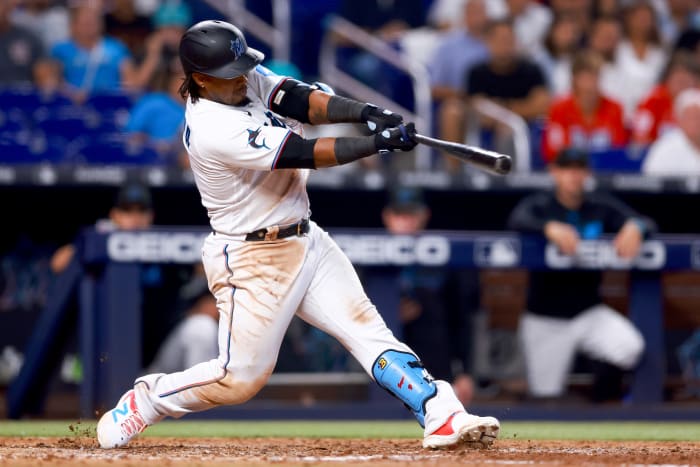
[631, 350]
[241, 384]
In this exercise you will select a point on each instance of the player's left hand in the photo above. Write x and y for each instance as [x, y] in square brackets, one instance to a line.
[628, 240]
[379, 119]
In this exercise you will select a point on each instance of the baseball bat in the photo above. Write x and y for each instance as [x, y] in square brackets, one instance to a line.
[491, 161]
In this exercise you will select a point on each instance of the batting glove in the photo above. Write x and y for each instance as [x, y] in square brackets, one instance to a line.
[379, 119]
[398, 138]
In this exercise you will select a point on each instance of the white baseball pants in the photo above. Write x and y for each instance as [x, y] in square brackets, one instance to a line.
[550, 345]
[259, 286]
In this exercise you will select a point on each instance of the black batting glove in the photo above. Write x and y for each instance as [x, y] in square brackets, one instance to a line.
[398, 138]
[379, 119]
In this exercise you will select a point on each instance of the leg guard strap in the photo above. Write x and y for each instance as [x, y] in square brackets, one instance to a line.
[403, 375]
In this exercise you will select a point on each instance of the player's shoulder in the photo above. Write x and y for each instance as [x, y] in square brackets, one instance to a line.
[540, 198]
[602, 199]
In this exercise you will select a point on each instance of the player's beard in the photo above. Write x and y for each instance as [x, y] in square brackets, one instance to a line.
[243, 103]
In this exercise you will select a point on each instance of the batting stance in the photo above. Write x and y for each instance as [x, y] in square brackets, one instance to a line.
[265, 260]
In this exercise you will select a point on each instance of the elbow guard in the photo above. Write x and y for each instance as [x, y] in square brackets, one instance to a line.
[297, 153]
[291, 99]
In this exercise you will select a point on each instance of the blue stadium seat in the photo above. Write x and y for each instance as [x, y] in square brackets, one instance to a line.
[617, 160]
[24, 98]
[9, 124]
[112, 109]
[12, 152]
[110, 102]
[119, 150]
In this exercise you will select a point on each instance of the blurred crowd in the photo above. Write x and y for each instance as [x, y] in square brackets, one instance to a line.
[101, 73]
[606, 76]
[614, 77]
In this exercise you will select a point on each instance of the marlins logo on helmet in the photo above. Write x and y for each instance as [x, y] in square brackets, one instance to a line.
[237, 47]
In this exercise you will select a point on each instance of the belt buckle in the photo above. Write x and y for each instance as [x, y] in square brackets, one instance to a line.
[272, 232]
[299, 228]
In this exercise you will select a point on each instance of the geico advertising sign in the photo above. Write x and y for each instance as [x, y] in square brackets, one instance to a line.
[427, 250]
[155, 247]
[594, 254]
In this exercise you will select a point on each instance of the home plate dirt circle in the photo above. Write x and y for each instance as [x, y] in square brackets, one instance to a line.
[152, 451]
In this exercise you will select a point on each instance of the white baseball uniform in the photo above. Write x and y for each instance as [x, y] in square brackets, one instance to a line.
[550, 345]
[260, 285]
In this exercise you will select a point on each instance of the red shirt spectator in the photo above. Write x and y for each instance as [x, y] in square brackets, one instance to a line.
[586, 119]
[654, 115]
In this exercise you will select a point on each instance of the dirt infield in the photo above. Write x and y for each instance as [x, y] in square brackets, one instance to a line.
[304, 451]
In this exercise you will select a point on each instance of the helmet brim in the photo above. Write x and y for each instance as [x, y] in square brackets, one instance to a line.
[249, 60]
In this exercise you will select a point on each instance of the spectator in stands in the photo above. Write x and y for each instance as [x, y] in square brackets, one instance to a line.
[678, 16]
[639, 58]
[431, 311]
[689, 39]
[585, 119]
[605, 8]
[49, 82]
[555, 54]
[565, 313]
[171, 20]
[388, 21]
[506, 78]
[194, 339]
[47, 19]
[93, 62]
[459, 51]
[530, 22]
[123, 22]
[654, 115]
[19, 48]
[579, 10]
[677, 153]
[446, 15]
[133, 210]
[604, 36]
[158, 116]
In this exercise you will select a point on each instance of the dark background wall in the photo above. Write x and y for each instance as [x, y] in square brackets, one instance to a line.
[55, 214]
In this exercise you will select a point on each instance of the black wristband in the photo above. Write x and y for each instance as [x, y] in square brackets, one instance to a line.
[349, 149]
[341, 109]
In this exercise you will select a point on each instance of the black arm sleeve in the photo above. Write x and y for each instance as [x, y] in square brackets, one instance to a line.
[291, 99]
[529, 215]
[297, 153]
[348, 149]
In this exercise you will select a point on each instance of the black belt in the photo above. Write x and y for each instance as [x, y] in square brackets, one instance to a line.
[276, 232]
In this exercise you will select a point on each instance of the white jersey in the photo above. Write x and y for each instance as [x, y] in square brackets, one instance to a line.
[233, 152]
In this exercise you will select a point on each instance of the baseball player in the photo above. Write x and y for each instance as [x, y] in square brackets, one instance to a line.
[265, 260]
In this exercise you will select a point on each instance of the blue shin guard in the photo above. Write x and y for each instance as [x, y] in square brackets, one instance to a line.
[403, 375]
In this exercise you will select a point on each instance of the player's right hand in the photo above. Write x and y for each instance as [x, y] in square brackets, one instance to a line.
[379, 119]
[398, 138]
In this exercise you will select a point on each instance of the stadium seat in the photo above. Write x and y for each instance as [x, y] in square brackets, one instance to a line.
[24, 98]
[109, 103]
[118, 150]
[618, 160]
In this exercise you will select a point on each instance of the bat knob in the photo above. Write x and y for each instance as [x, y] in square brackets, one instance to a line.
[503, 165]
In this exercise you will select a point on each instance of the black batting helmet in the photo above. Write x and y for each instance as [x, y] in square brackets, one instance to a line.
[218, 49]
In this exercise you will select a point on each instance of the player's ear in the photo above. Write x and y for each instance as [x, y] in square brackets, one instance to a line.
[200, 79]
